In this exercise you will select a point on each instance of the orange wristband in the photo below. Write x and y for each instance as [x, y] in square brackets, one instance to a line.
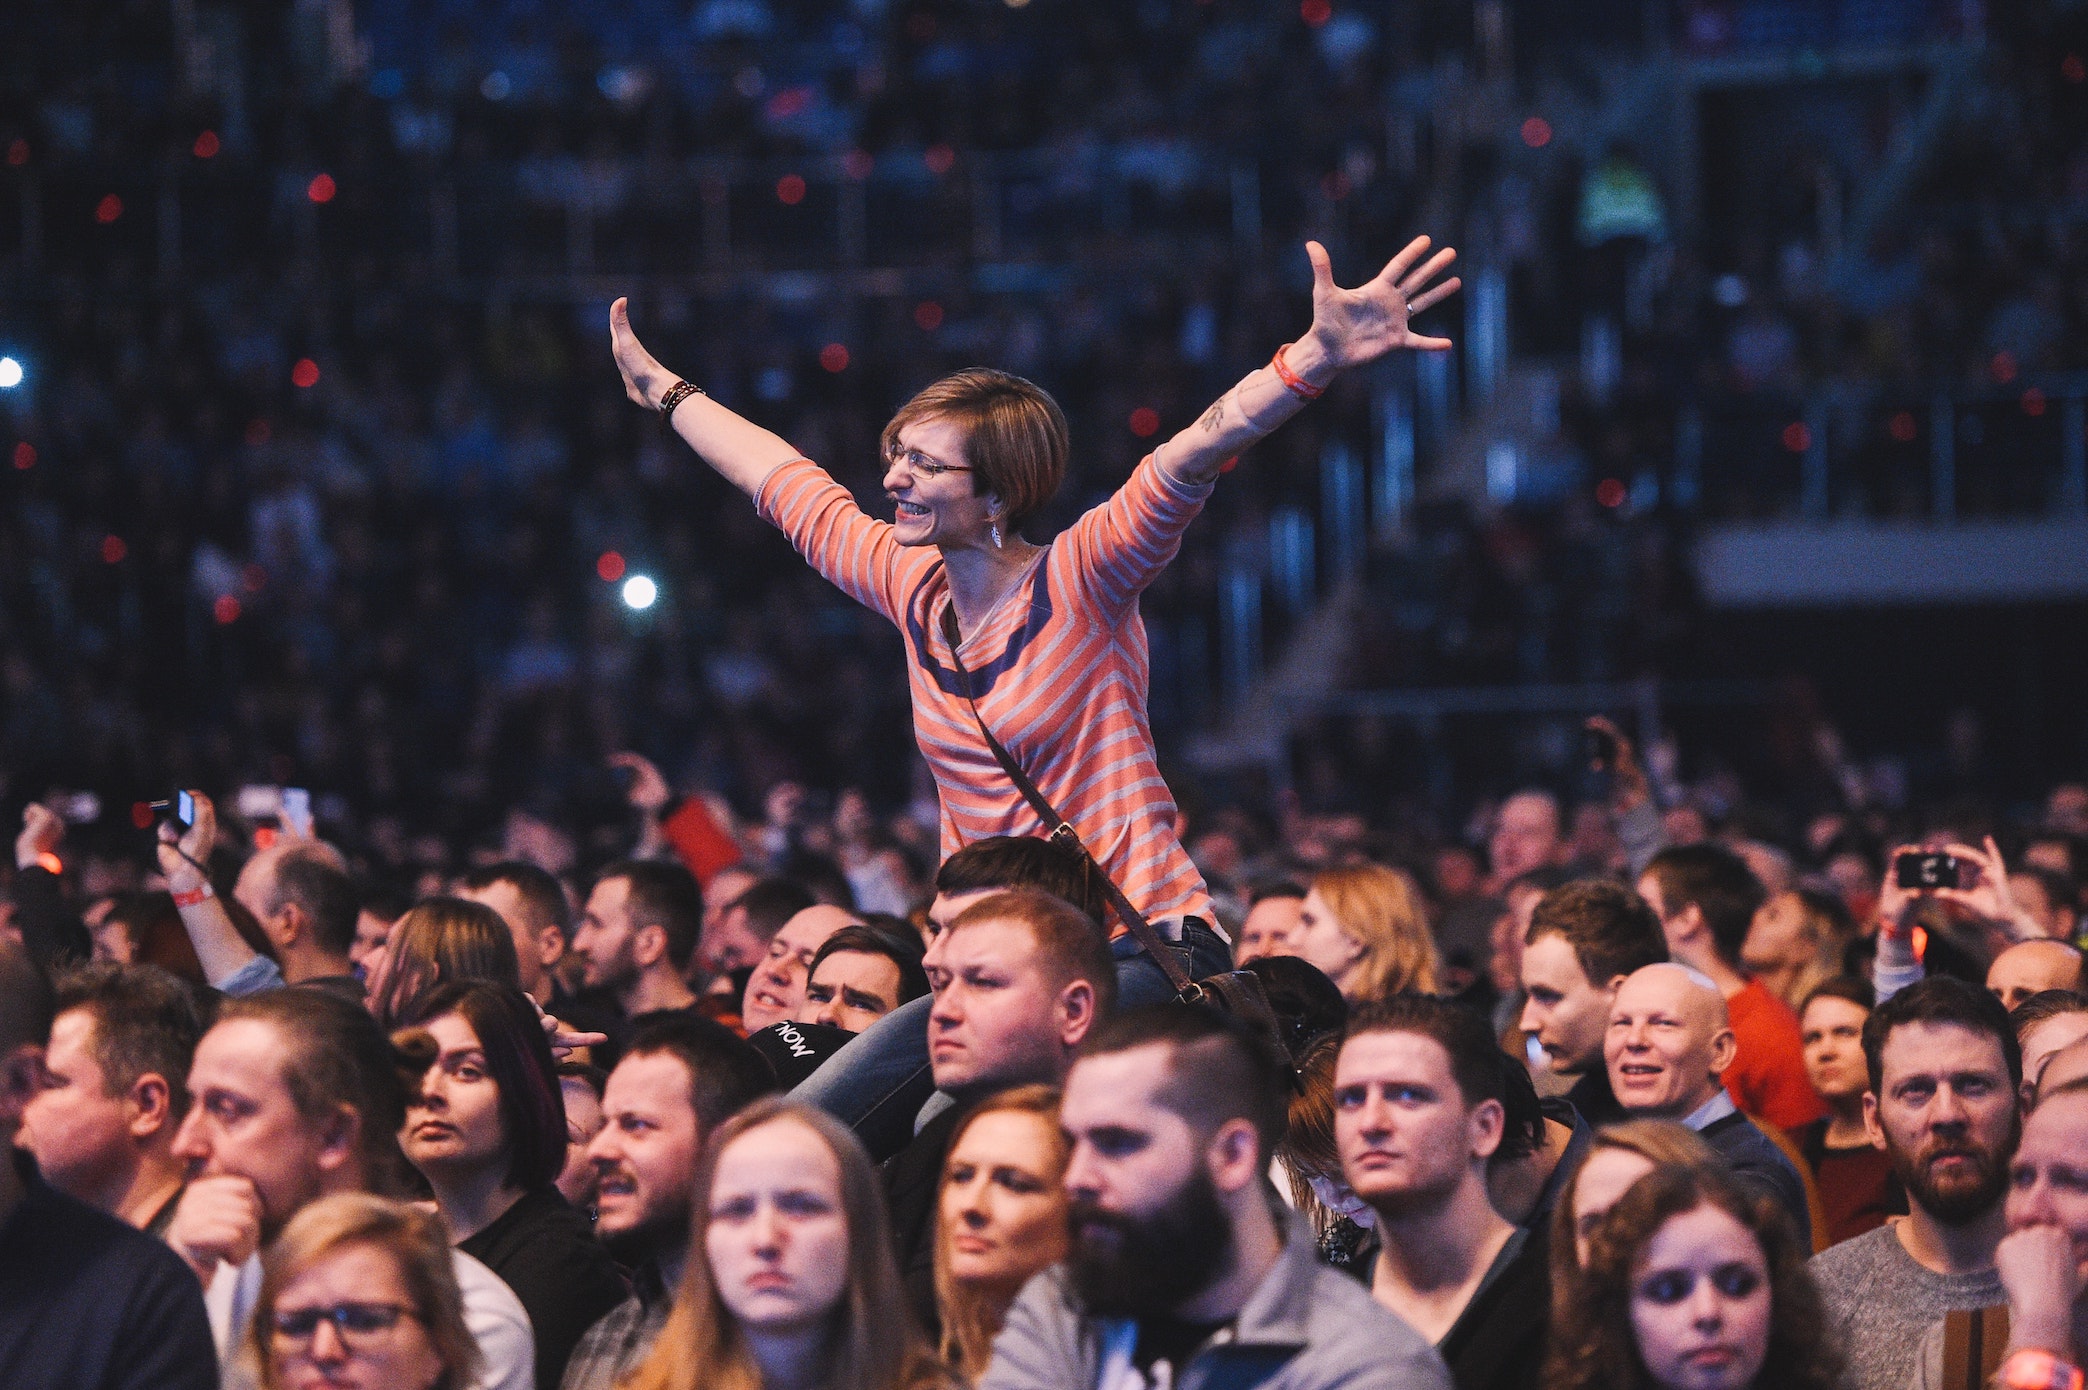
[1298, 386]
[2038, 1370]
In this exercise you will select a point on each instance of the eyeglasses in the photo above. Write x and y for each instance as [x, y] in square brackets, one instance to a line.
[359, 1324]
[918, 462]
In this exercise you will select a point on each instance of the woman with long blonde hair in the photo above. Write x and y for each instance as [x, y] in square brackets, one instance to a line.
[1365, 927]
[1000, 1217]
[790, 1283]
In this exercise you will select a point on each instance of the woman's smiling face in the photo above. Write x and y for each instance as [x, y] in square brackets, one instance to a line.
[929, 479]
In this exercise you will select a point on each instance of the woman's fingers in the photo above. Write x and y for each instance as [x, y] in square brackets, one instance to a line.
[632, 360]
[1322, 269]
[1396, 268]
[1428, 299]
[1412, 284]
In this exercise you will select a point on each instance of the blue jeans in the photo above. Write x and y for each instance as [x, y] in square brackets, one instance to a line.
[877, 1084]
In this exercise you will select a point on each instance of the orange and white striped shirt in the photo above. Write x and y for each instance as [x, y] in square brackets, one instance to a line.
[1059, 667]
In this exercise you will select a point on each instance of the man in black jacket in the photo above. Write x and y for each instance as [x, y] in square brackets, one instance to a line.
[84, 1298]
[1020, 978]
[1420, 1091]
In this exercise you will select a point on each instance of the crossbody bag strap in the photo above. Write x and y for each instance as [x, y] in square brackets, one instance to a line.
[1061, 831]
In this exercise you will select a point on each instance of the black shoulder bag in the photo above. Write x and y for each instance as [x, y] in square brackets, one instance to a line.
[1235, 991]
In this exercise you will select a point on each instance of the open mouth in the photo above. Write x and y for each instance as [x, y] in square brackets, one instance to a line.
[905, 508]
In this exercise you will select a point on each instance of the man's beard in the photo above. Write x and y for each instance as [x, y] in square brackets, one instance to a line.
[1138, 1267]
[650, 1239]
[1956, 1201]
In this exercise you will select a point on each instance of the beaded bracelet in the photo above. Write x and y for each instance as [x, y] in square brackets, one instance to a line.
[1298, 386]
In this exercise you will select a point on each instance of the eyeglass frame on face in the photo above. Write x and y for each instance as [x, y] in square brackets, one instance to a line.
[918, 462]
[338, 1314]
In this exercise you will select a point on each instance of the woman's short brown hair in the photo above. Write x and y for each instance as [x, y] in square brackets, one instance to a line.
[1014, 436]
[419, 1248]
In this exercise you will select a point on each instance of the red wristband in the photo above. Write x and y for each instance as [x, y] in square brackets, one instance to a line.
[1298, 386]
[2038, 1370]
[193, 896]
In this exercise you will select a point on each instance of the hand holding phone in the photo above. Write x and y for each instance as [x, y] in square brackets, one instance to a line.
[1922, 871]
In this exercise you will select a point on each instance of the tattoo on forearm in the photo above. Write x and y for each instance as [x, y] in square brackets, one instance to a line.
[1214, 418]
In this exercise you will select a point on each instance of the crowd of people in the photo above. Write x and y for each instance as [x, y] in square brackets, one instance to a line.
[1692, 1110]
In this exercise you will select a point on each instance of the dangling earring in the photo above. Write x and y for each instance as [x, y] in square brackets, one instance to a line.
[996, 536]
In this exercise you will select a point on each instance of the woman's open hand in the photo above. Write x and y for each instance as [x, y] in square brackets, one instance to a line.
[1356, 326]
[645, 380]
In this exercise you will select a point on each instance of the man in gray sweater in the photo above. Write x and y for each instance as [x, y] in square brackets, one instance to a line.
[1182, 1272]
[1944, 1067]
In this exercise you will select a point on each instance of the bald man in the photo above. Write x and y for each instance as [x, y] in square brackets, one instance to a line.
[776, 989]
[1668, 1040]
[2061, 1068]
[2031, 967]
[2045, 1024]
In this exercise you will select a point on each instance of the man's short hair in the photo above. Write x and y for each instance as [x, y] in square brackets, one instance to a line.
[664, 896]
[145, 1023]
[903, 951]
[1852, 988]
[1219, 1067]
[1477, 1064]
[770, 902]
[543, 901]
[1068, 939]
[2045, 1005]
[725, 1071]
[25, 999]
[323, 891]
[1268, 889]
[1718, 883]
[1610, 928]
[335, 1054]
[1940, 999]
[1022, 861]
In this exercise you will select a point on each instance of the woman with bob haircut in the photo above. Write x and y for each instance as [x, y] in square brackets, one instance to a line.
[1692, 1284]
[1366, 929]
[1000, 1218]
[359, 1290]
[487, 1129]
[437, 941]
[790, 1282]
[1047, 637]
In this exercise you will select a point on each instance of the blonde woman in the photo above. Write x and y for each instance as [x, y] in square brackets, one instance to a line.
[358, 1291]
[790, 1283]
[1000, 1218]
[1364, 927]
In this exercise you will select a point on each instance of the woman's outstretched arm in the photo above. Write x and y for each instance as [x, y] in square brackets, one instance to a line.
[1349, 328]
[742, 452]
